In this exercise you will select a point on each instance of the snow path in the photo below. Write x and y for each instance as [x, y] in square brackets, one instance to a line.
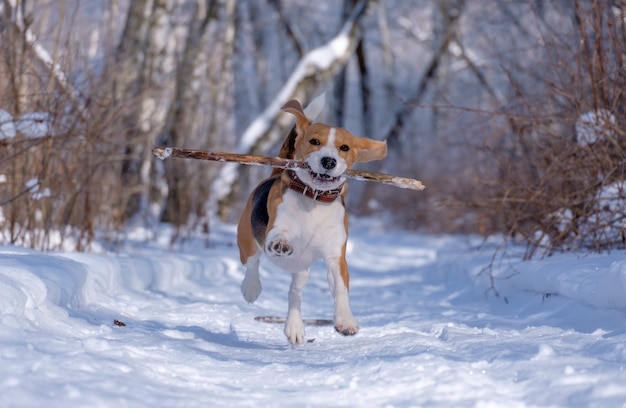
[432, 334]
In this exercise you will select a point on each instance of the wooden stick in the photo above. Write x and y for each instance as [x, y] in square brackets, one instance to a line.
[166, 152]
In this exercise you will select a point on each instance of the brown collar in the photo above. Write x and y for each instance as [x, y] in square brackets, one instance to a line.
[324, 196]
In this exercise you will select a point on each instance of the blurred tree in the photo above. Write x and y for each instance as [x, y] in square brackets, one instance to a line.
[139, 61]
[182, 113]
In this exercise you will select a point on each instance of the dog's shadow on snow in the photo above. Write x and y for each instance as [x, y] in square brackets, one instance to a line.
[218, 345]
[230, 339]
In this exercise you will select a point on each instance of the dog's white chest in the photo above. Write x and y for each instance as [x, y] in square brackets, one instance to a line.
[311, 229]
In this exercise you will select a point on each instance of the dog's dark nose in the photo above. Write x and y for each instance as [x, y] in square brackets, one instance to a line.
[328, 163]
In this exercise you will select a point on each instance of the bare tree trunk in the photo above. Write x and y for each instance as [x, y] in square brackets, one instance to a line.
[15, 57]
[341, 83]
[181, 115]
[244, 68]
[366, 92]
[140, 57]
[127, 88]
[340, 86]
[222, 81]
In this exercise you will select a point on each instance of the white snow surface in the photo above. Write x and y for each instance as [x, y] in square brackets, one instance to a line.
[432, 332]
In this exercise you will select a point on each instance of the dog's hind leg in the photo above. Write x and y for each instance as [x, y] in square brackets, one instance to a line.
[249, 252]
[294, 326]
[251, 284]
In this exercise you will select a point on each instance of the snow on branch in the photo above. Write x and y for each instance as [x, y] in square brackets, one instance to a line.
[317, 66]
[33, 125]
[7, 125]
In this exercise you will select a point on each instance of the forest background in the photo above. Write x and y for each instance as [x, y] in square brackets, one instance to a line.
[511, 112]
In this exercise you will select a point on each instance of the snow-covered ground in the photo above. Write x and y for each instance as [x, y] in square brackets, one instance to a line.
[432, 331]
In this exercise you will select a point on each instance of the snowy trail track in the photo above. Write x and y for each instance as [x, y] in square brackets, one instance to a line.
[432, 334]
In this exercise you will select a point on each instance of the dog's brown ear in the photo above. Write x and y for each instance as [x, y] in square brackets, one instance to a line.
[294, 107]
[368, 149]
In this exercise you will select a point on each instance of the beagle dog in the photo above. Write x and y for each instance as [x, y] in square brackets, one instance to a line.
[296, 217]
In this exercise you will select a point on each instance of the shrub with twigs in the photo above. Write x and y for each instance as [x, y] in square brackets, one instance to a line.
[559, 183]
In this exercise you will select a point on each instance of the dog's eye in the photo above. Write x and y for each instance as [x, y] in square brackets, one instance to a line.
[344, 148]
[314, 142]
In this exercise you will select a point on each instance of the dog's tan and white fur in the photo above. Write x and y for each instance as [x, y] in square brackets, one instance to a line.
[298, 216]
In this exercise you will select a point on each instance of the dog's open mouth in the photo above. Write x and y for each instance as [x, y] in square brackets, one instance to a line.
[323, 178]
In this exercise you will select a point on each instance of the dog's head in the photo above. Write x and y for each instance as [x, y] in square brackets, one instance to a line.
[329, 151]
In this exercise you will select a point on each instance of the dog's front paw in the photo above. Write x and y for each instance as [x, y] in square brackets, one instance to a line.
[251, 288]
[346, 325]
[294, 330]
[279, 247]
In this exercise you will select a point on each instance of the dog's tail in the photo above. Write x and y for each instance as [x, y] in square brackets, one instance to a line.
[312, 111]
